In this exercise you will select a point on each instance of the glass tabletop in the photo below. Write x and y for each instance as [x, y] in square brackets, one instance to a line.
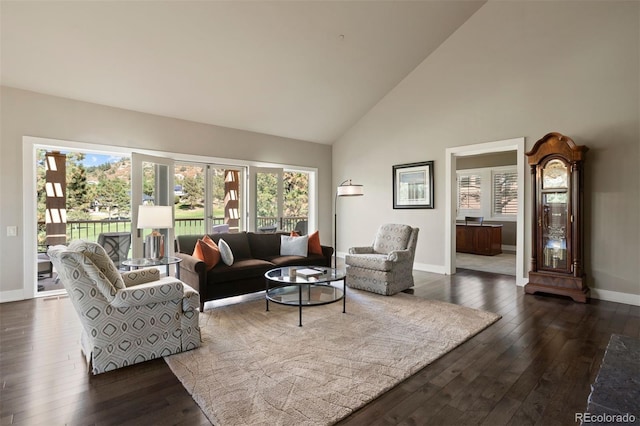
[151, 262]
[305, 275]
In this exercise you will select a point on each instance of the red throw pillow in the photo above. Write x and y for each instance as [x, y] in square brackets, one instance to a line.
[209, 253]
[294, 234]
[207, 239]
[314, 243]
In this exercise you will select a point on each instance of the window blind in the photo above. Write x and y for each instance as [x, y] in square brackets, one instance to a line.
[505, 193]
[469, 191]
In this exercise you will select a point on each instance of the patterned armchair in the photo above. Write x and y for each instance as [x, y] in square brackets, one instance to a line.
[126, 318]
[386, 267]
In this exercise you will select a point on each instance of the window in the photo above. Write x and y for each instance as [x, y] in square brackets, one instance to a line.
[490, 192]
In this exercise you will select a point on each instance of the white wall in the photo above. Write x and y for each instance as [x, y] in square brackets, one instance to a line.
[31, 114]
[514, 69]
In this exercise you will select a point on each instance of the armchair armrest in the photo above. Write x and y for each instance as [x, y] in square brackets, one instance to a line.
[399, 255]
[191, 300]
[361, 250]
[164, 290]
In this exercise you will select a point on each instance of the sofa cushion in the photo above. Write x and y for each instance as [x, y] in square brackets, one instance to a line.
[238, 243]
[78, 267]
[264, 246]
[312, 259]
[207, 251]
[97, 254]
[241, 269]
[225, 252]
[186, 243]
[378, 262]
[294, 246]
[314, 243]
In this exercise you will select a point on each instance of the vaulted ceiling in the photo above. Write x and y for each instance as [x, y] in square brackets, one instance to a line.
[306, 70]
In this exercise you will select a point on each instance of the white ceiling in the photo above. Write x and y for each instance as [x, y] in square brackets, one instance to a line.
[299, 69]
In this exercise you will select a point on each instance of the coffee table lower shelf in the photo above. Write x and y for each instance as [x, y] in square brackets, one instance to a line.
[285, 288]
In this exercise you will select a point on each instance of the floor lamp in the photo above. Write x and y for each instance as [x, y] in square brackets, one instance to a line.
[345, 189]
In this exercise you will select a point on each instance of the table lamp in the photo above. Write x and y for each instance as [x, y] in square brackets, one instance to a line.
[155, 217]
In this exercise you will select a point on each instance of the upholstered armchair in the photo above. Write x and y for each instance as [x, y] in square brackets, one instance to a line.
[126, 318]
[385, 267]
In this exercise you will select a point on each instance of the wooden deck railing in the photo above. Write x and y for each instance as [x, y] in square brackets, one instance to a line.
[281, 224]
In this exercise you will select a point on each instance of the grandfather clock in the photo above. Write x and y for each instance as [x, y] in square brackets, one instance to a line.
[557, 249]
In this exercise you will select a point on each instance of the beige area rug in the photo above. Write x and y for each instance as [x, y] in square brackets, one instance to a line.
[260, 368]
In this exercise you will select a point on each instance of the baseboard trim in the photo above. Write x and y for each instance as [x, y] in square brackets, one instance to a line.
[425, 267]
[616, 296]
[11, 296]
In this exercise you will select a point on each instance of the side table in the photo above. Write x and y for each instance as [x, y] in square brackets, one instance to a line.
[146, 263]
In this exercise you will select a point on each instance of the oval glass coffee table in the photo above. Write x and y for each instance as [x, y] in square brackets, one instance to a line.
[305, 286]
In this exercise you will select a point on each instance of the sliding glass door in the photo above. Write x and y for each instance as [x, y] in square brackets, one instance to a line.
[80, 194]
[209, 198]
[267, 198]
[280, 200]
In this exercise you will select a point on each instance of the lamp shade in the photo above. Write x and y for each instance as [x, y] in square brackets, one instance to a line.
[348, 189]
[155, 217]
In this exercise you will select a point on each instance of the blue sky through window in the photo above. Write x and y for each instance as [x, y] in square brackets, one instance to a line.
[92, 159]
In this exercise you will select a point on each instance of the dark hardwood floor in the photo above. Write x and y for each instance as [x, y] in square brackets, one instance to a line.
[534, 366]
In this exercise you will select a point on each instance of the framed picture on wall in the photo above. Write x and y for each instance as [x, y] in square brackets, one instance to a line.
[413, 185]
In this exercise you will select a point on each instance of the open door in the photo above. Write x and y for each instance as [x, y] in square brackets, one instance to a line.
[151, 184]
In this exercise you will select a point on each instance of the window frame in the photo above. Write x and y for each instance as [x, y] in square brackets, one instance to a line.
[462, 212]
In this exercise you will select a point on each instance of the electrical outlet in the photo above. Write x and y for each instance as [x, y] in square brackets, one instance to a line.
[12, 231]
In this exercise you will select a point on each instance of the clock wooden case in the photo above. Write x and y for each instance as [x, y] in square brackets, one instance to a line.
[557, 226]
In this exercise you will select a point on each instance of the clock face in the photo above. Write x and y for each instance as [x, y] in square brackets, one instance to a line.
[554, 175]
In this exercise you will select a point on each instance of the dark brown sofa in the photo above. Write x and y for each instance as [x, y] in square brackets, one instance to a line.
[254, 254]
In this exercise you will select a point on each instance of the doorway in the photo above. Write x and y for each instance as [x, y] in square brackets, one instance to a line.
[80, 193]
[487, 195]
[451, 205]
